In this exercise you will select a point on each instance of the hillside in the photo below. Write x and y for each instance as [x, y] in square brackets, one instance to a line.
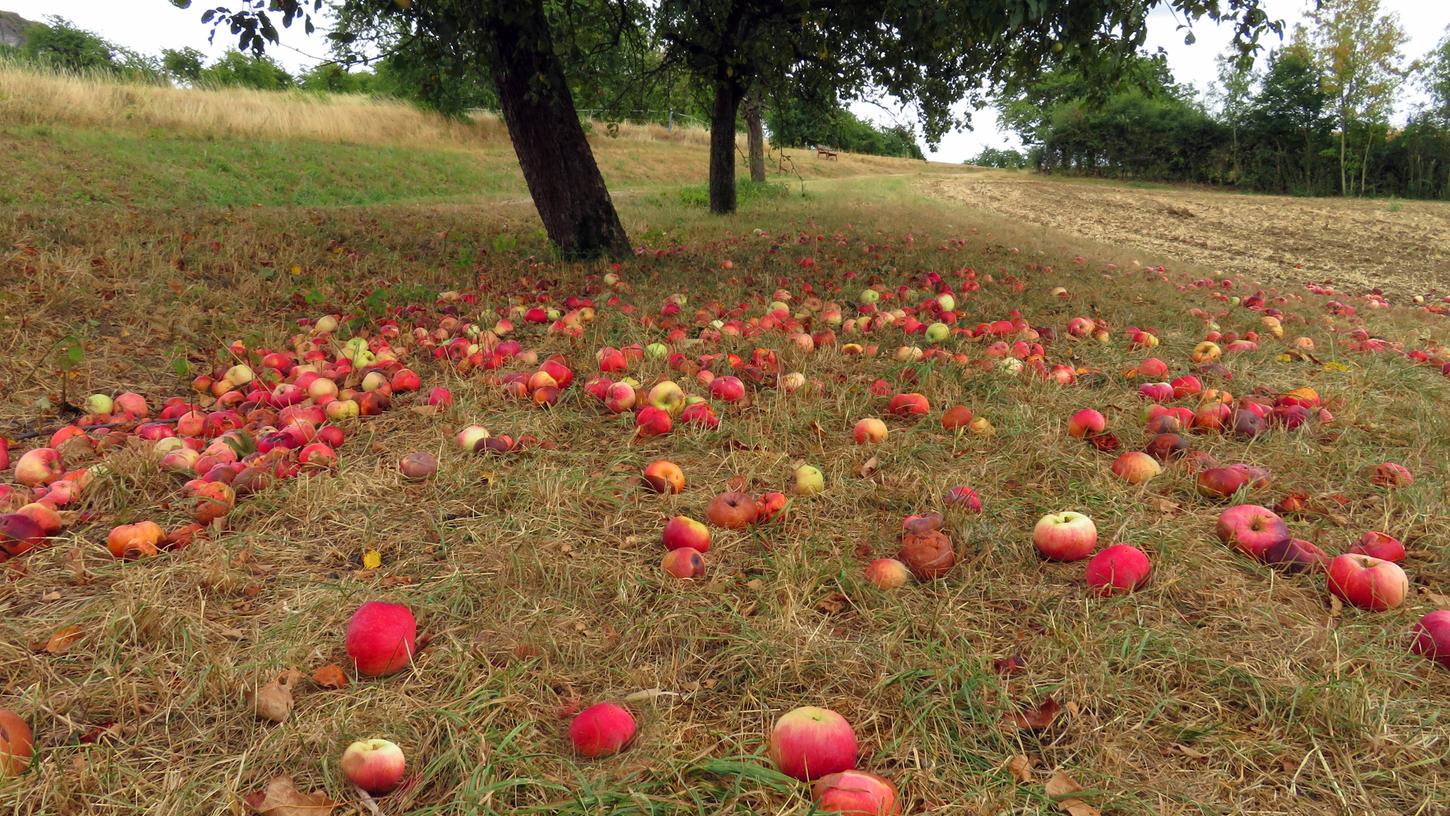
[12, 29]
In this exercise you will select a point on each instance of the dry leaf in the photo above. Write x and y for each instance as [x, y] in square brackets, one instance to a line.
[1060, 785]
[1336, 606]
[427, 410]
[372, 559]
[1163, 505]
[75, 561]
[281, 798]
[60, 642]
[869, 467]
[1020, 767]
[1191, 753]
[1037, 718]
[330, 676]
[1009, 665]
[832, 604]
[274, 700]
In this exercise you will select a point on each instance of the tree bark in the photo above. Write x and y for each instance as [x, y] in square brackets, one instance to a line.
[756, 136]
[722, 146]
[558, 166]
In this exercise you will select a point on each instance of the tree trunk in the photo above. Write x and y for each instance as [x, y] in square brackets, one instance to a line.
[722, 146]
[1364, 164]
[558, 165]
[1343, 180]
[756, 135]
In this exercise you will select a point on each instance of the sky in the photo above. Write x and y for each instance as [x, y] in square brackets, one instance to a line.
[150, 25]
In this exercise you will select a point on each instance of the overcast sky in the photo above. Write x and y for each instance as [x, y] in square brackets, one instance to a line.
[150, 25]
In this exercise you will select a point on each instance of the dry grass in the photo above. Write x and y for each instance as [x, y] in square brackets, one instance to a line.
[1222, 688]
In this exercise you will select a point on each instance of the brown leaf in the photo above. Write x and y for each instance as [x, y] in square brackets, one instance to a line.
[274, 700]
[75, 561]
[1191, 753]
[1061, 785]
[1020, 767]
[1162, 505]
[96, 733]
[330, 676]
[869, 467]
[832, 604]
[281, 798]
[1036, 718]
[1336, 606]
[1009, 665]
[60, 642]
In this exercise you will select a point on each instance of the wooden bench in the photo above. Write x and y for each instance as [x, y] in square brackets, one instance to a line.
[825, 152]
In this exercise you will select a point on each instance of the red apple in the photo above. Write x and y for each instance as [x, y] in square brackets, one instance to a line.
[909, 405]
[1085, 423]
[1166, 447]
[683, 531]
[375, 765]
[684, 562]
[808, 743]
[855, 792]
[1367, 582]
[652, 421]
[16, 744]
[1118, 568]
[1136, 467]
[1222, 482]
[963, 498]
[769, 506]
[1386, 474]
[870, 430]
[1432, 637]
[664, 476]
[380, 638]
[419, 465]
[956, 418]
[601, 730]
[888, 573]
[1376, 544]
[731, 511]
[37, 467]
[727, 389]
[1065, 536]
[1250, 528]
[1293, 555]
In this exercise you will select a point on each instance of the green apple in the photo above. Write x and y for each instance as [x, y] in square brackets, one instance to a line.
[938, 332]
[809, 480]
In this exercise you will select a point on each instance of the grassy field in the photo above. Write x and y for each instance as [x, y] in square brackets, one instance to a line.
[133, 260]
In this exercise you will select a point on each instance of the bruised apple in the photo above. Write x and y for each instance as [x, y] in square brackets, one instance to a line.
[855, 792]
[684, 562]
[888, 573]
[731, 511]
[139, 540]
[664, 476]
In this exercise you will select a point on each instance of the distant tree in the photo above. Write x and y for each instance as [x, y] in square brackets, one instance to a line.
[1231, 95]
[183, 65]
[334, 78]
[61, 44]
[1358, 50]
[1290, 121]
[237, 70]
[1436, 74]
[802, 122]
[1001, 157]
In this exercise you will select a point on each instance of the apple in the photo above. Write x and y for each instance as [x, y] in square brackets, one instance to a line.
[1386, 474]
[855, 792]
[1294, 555]
[731, 511]
[1251, 529]
[937, 332]
[809, 480]
[1166, 447]
[1432, 639]
[99, 404]
[16, 744]
[620, 397]
[418, 465]
[664, 476]
[37, 467]
[1136, 467]
[375, 765]
[1368, 582]
[926, 551]
[808, 743]
[469, 437]
[963, 498]
[44, 517]
[869, 430]
[1376, 544]
[1119, 568]
[1065, 536]
[1086, 422]
[19, 534]
[727, 389]
[684, 562]
[135, 540]
[888, 573]
[1222, 482]
[652, 421]
[792, 382]
[380, 638]
[909, 405]
[956, 418]
[667, 396]
[601, 730]
[770, 506]
[683, 531]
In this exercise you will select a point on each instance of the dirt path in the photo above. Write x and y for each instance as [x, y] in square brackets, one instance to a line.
[1357, 244]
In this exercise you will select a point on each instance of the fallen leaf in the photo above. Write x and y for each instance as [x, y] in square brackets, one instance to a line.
[1336, 606]
[869, 467]
[60, 642]
[372, 559]
[1036, 718]
[1061, 785]
[281, 798]
[1020, 767]
[1105, 442]
[1163, 505]
[330, 676]
[75, 561]
[832, 604]
[1191, 753]
[1009, 665]
[427, 410]
[274, 700]
[96, 733]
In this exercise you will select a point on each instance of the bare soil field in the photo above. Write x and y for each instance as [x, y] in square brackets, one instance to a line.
[1354, 243]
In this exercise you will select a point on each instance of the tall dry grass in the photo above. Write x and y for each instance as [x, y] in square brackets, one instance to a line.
[32, 96]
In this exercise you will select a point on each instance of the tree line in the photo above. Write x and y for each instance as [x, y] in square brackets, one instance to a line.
[1314, 119]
